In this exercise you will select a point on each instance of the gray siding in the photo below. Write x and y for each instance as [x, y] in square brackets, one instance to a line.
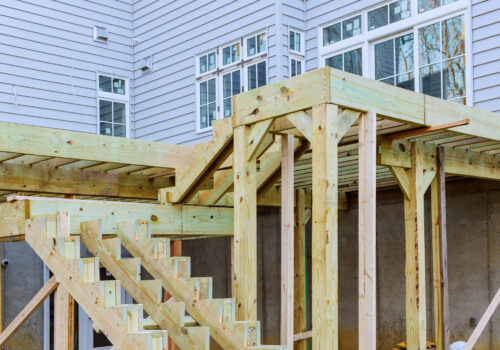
[486, 54]
[48, 59]
[174, 33]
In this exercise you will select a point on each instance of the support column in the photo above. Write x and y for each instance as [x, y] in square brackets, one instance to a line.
[245, 228]
[64, 319]
[325, 227]
[415, 253]
[439, 254]
[367, 232]
[287, 236]
[299, 263]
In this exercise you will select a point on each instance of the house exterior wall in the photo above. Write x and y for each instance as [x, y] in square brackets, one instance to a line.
[49, 60]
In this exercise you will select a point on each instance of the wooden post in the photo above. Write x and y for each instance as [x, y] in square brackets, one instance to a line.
[367, 232]
[415, 254]
[287, 237]
[439, 254]
[245, 228]
[325, 228]
[64, 319]
[299, 263]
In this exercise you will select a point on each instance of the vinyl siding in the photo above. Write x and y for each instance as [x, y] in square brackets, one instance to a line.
[486, 54]
[48, 59]
[174, 33]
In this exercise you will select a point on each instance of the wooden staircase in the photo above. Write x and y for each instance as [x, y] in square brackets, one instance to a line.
[122, 324]
[173, 273]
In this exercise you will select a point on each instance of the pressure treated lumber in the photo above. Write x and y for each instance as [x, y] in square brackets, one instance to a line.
[29, 309]
[439, 255]
[325, 228]
[299, 262]
[416, 331]
[244, 281]
[27, 139]
[367, 232]
[64, 319]
[483, 322]
[287, 241]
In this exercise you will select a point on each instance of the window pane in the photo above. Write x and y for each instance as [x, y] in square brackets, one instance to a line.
[426, 5]
[104, 83]
[119, 113]
[226, 55]
[331, 34]
[429, 44]
[226, 85]
[252, 77]
[292, 40]
[406, 81]
[119, 130]
[453, 37]
[294, 68]
[203, 64]
[261, 74]
[203, 93]
[353, 62]
[351, 27]
[211, 90]
[228, 110]
[430, 80]
[454, 78]
[335, 62]
[203, 117]
[236, 82]
[251, 46]
[105, 129]
[105, 114]
[211, 61]
[235, 52]
[404, 53]
[261, 43]
[399, 10]
[211, 113]
[119, 86]
[384, 59]
[377, 18]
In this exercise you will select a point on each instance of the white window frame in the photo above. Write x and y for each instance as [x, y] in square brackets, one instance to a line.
[297, 59]
[413, 23]
[205, 78]
[206, 53]
[112, 97]
[302, 41]
[259, 54]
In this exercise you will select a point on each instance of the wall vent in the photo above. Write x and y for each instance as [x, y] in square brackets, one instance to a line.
[100, 34]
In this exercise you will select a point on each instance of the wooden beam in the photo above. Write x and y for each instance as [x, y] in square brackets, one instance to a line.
[325, 228]
[416, 318]
[287, 240]
[64, 319]
[245, 228]
[299, 262]
[367, 232]
[422, 131]
[34, 140]
[483, 322]
[26, 178]
[28, 310]
[439, 255]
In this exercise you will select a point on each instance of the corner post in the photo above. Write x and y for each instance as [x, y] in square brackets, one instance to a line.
[245, 228]
[325, 227]
[367, 232]
[439, 254]
[415, 253]
[299, 293]
[287, 240]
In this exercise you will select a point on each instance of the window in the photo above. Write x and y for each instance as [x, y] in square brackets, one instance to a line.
[256, 75]
[342, 30]
[231, 54]
[442, 59]
[295, 67]
[256, 44]
[394, 61]
[426, 5]
[350, 61]
[112, 106]
[391, 13]
[231, 86]
[207, 63]
[295, 41]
